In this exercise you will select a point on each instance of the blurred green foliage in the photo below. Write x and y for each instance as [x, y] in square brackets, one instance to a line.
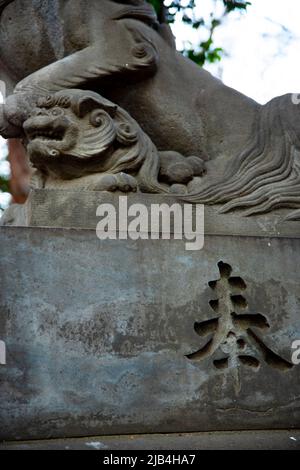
[4, 184]
[206, 51]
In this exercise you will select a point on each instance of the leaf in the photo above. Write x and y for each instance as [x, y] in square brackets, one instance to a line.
[4, 184]
[235, 4]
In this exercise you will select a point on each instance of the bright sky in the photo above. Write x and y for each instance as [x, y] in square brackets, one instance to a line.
[262, 46]
[262, 51]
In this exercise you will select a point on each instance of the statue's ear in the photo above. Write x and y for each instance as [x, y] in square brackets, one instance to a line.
[85, 104]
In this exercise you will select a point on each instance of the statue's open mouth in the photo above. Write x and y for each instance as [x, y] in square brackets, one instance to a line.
[56, 134]
[45, 129]
[48, 136]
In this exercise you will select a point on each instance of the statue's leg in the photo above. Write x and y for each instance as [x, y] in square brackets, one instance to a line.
[136, 57]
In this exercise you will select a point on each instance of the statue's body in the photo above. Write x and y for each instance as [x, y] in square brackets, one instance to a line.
[171, 105]
[117, 49]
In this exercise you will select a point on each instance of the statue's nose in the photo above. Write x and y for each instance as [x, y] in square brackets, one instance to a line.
[38, 112]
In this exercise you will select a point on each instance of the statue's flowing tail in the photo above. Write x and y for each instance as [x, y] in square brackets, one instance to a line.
[266, 175]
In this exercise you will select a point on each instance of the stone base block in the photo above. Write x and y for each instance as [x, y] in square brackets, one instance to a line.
[122, 336]
[229, 440]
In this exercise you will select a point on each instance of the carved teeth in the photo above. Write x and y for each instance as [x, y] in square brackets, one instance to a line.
[53, 135]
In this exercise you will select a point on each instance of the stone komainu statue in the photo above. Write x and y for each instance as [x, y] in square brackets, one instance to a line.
[244, 156]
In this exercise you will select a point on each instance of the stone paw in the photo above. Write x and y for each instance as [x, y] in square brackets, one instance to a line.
[126, 183]
[14, 113]
[195, 185]
[177, 169]
[7, 130]
[198, 165]
[118, 182]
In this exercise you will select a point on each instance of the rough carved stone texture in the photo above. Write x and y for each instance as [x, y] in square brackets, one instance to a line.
[120, 50]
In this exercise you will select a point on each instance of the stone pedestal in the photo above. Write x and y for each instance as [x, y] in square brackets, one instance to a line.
[122, 336]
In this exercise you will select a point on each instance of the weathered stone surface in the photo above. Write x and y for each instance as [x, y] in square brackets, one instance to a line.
[97, 334]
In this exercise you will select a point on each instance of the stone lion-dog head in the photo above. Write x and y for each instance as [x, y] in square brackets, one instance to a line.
[74, 133]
